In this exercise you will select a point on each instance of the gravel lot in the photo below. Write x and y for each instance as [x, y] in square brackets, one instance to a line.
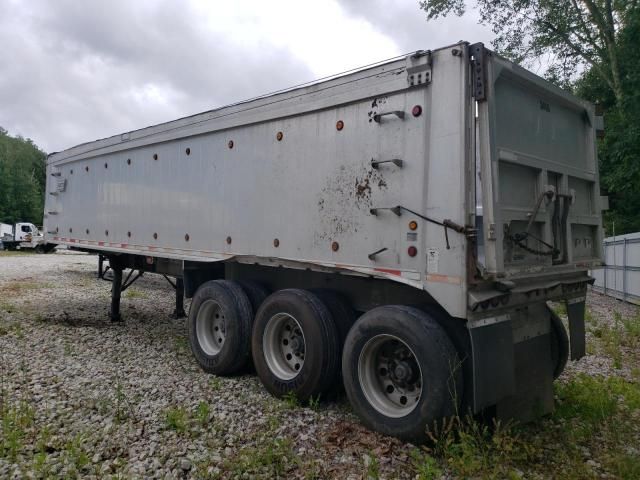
[133, 398]
[128, 400]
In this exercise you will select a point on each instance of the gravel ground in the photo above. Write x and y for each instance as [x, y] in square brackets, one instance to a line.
[129, 400]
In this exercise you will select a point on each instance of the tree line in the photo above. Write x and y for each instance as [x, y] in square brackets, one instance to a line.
[22, 179]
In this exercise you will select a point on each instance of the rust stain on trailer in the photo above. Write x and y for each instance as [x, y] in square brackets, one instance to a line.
[345, 200]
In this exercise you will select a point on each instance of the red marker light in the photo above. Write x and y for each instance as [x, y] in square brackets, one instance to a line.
[412, 251]
[416, 111]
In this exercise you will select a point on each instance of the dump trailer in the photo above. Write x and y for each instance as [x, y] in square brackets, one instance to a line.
[398, 229]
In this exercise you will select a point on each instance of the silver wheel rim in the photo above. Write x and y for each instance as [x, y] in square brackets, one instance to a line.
[210, 327]
[284, 346]
[390, 376]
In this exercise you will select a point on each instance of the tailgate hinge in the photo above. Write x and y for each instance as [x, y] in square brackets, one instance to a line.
[478, 59]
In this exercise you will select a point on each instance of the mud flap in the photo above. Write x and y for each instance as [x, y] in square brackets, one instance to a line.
[493, 354]
[512, 367]
[575, 312]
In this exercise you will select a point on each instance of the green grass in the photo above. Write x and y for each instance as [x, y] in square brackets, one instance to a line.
[176, 419]
[75, 454]
[613, 339]
[269, 458]
[186, 422]
[215, 383]
[290, 401]
[16, 253]
[593, 414]
[16, 423]
[21, 286]
[203, 413]
[314, 403]
[372, 466]
[135, 293]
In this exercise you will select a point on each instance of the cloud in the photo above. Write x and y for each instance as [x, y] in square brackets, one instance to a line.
[78, 71]
[403, 21]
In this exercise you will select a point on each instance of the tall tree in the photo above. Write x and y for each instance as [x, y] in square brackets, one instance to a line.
[619, 150]
[571, 34]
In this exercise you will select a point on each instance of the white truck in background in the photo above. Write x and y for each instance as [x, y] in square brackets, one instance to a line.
[399, 228]
[23, 236]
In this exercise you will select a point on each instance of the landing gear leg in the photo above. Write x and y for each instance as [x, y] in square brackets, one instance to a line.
[179, 311]
[116, 290]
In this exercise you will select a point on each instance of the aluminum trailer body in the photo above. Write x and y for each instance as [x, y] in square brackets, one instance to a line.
[450, 181]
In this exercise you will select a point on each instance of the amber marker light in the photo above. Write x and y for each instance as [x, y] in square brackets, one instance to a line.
[339, 125]
[413, 225]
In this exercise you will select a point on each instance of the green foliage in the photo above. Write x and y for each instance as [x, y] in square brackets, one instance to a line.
[570, 35]
[16, 421]
[475, 449]
[625, 332]
[619, 150]
[425, 466]
[587, 398]
[314, 403]
[270, 457]
[592, 416]
[290, 400]
[372, 466]
[134, 293]
[203, 412]
[176, 419]
[22, 180]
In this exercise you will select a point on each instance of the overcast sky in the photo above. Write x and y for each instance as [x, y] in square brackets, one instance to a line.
[75, 71]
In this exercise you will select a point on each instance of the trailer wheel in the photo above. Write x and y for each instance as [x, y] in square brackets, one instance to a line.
[559, 344]
[344, 316]
[401, 372]
[220, 321]
[295, 344]
[256, 292]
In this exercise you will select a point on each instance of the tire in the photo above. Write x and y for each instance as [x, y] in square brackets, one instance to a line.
[256, 292]
[344, 316]
[229, 352]
[559, 344]
[401, 372]
[313, 360]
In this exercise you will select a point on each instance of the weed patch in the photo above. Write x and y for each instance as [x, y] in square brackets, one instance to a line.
[176, 419]
[16, 424]
[270, 458]
[185, 422]
[592, 416]
[135, 293]
[290, 400]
